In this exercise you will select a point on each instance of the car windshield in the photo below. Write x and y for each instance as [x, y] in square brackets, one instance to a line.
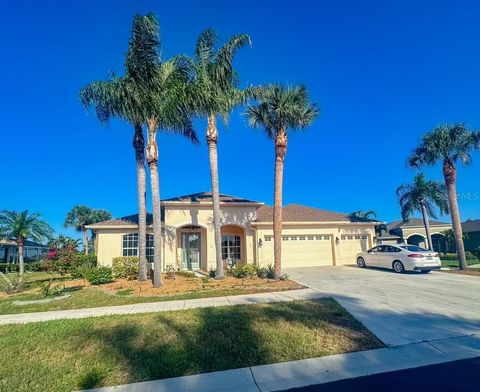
[413, 248]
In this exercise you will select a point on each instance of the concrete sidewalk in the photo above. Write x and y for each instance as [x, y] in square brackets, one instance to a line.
[296, 374]
[152, 307]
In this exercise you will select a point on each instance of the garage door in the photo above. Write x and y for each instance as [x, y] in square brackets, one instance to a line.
[301, 251]
[350, 245]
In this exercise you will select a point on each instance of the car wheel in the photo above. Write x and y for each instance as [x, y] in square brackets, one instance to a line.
[398, 267]
[425, 271]
[361, 262]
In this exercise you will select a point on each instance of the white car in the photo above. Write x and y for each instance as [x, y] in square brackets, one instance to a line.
[400, 258]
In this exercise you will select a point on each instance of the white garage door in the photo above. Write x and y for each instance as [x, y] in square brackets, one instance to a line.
[350, 245]
[301, 251]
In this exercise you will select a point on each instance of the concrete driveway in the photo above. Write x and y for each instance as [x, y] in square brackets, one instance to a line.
[401, 308]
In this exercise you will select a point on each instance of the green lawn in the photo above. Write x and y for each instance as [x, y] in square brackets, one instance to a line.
[93, 296]
[454, 263]
[74, 354]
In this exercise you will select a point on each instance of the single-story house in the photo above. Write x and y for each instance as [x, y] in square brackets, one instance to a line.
[471, 227]
[311, 236]
[413, 232]
[32, 251]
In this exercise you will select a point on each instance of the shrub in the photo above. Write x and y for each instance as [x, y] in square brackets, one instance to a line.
[98, 275]
[81, 259]
[283, 276]
[7, 267]
[212, 272]
[477, 252]
[51, 290]
[10, 283]
[267, 272]
[185, 274]
[34, 266]
[205, 279]
[125, 267]
[244, 271]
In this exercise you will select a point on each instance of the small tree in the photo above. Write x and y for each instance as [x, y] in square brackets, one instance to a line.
[22, 226]
[81, 216]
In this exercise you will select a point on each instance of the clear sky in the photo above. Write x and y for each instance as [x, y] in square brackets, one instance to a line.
[383, 72]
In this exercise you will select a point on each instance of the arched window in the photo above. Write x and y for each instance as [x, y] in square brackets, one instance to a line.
[231, 247]
[130, 246]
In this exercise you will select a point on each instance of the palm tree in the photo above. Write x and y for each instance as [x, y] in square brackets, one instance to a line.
[364, 215]
[81, 216]
[22, 226]
[278, 109]
[123, 98]
[215, 93]
[423, 196]
[164, 96]
[449, 144]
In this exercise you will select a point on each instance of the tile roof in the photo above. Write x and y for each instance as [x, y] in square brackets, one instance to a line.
[207, 197]
[471, 225]
[299, 213]
[413, 222]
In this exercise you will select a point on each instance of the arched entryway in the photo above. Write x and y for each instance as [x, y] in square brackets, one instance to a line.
[233, 244]
[417, 239]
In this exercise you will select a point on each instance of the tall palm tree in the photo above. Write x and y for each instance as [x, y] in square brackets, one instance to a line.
[423, 196]
[123, 97]
[278, 109]
[449, 144]
[215, 93]
[164, 92]
[22, 226]
[81, 216]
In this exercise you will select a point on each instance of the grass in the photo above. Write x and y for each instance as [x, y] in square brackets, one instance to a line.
[454, 263]
[95, 296]
[86, 353]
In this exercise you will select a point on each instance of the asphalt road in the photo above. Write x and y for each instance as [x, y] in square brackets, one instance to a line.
[461, 376]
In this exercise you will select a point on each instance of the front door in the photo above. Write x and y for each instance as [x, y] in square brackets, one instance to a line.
[191, 250]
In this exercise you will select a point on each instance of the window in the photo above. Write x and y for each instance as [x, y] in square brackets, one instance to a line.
[284, 238]
[301, 238]
[130, 246]
[231, 247]
[268, 238]
[326, 237]
[310, 237]
[293, 238]
[318, 237]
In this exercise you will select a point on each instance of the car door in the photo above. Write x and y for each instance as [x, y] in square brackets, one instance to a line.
[374, 256]
[390, 253]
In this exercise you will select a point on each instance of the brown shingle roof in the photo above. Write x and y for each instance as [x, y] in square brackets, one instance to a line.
[207, 197]
[413, 222]
[471, 225]
[299, 213]
[126, 220]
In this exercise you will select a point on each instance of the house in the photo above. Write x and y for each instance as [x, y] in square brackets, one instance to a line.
[311, 236]
[413, 232]
[471, 227]
[32, 251]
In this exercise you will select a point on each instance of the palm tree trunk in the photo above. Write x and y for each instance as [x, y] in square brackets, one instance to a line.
[450, 175]
[280, 152]
[152, 158]
[21, 263]
[426, 223]
[85, 239]
[139, 146]
[212, 140]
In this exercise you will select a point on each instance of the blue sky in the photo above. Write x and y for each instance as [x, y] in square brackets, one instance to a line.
[382, 73]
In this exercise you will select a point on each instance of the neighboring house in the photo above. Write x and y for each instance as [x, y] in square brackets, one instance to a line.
[311, 237]
[413, 232]
[32, 251]
[472, 228]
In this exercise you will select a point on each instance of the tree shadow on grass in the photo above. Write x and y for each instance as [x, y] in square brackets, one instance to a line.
[219, 338]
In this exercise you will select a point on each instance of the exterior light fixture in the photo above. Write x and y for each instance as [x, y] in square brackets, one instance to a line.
[260, 243]
[337, 240]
